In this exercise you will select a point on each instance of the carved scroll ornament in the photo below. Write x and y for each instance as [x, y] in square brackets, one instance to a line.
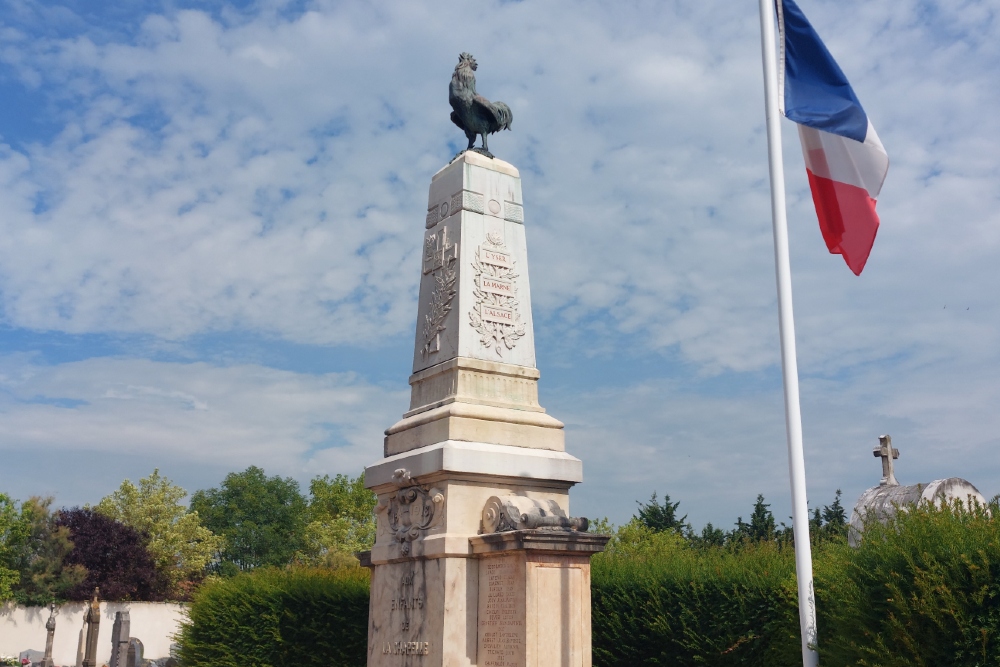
[411, 510]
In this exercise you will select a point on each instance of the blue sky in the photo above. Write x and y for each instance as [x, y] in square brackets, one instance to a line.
[211, 215]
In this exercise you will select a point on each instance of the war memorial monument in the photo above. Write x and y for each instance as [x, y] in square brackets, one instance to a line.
[477, 560]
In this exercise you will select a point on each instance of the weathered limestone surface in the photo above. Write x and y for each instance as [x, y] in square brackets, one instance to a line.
[534, 598]
[881, 502]
[475, 301]
[474, 377]
[475, 437]
[405, 617]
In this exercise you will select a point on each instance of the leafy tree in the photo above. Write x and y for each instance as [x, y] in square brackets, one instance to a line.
[341, 520]
[45, 574]
[261, 519]
[602, 526]
[12, 535]
[661, 516]
[181, 547]
[115, 557]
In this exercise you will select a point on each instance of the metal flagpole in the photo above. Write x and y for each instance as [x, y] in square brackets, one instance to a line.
[789, 365]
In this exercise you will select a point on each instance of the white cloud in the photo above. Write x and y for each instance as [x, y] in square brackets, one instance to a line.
[288, 423]
[266, 173]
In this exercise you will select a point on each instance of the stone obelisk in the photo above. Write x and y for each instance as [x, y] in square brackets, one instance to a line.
[476, 559]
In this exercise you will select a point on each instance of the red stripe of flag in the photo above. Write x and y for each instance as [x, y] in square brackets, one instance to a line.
[847, 219]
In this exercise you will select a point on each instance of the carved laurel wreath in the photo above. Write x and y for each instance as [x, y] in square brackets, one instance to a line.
[441, 298]
[496, 335]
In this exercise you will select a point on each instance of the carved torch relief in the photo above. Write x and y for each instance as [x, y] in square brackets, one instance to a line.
[495, 316]
[439, 259]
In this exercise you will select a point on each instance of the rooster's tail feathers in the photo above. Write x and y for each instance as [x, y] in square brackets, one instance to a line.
[503, 115]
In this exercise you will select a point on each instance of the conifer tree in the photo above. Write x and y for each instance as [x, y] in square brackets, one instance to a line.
[661, 516]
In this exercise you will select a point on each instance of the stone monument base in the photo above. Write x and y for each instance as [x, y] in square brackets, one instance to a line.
[534, 597]
[521, 600]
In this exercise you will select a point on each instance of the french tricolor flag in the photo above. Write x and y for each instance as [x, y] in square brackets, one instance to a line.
[845, 160]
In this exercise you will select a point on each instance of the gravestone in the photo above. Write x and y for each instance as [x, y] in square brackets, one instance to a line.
[119, 639]
[92, 618]
[134, 653]
[32, 656]
[476, 559]
[883, 501]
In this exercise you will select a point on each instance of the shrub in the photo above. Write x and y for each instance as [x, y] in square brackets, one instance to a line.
[923, 589]
[658, 601]
[298, 616]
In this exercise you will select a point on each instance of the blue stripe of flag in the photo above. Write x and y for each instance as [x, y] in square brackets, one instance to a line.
[817, 93]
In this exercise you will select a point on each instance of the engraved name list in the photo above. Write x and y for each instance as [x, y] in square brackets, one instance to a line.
[501, 618]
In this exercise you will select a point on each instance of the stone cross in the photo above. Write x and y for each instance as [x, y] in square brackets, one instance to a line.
[50, 627]
[93, 620]
[887, 452]
[119, 639]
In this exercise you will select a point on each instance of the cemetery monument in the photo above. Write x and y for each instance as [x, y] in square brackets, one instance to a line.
[119, 639]
[50, 633]
[92, 619]
[881, 502]
[477, 560]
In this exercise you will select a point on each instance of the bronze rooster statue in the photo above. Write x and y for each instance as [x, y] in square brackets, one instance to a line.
[473, 113]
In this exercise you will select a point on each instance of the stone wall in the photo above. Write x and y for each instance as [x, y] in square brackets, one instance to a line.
[153, 623]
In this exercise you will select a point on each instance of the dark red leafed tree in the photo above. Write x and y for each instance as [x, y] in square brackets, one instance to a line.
[115, 556]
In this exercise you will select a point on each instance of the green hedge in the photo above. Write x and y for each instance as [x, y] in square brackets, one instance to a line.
[923, 590]
[657, 601]
[303, 616]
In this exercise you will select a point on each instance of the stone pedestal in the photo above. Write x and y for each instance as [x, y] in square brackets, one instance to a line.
[534, 598]
[475, 459]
